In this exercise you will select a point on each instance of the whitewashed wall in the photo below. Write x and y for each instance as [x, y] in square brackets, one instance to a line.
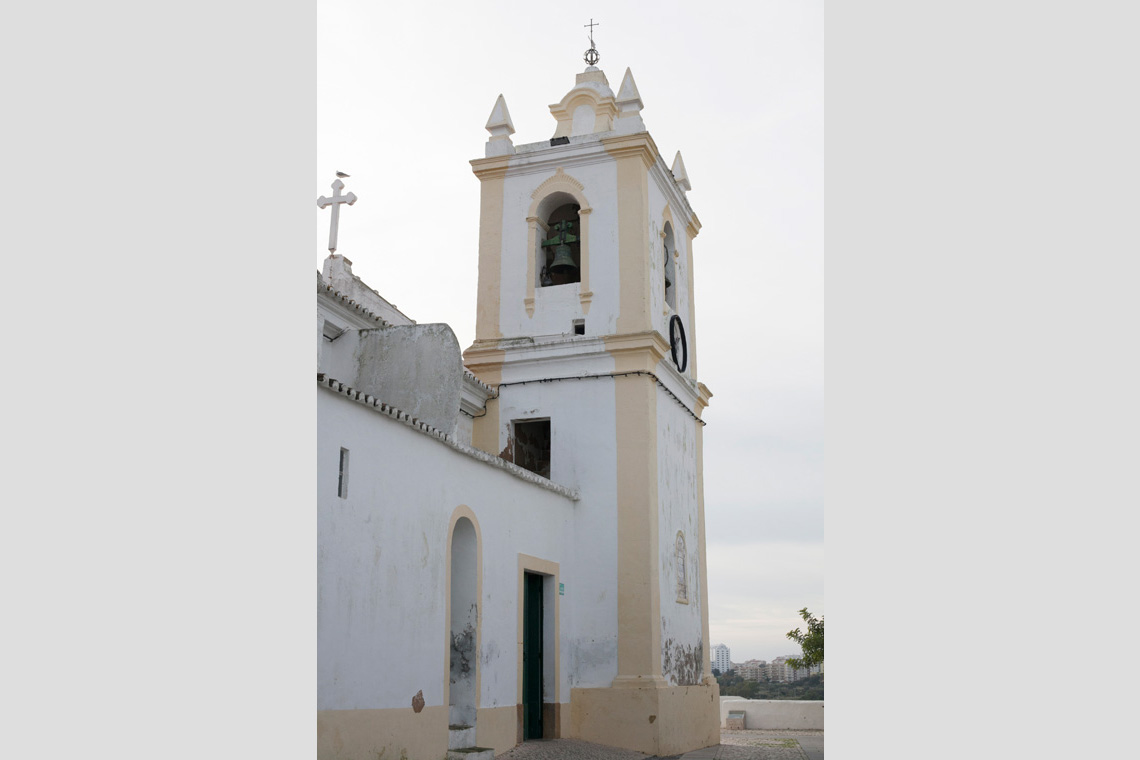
[682, 647]
[382, 559]
[556, 307]
[583, 456]
[775, 714]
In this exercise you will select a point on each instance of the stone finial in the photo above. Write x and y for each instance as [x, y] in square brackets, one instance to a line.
[679, 173]
[628, 97]
[629, 106]
[501, 128]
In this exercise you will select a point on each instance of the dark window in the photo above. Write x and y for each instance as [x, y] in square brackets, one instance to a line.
[342, 480]
[532, 446]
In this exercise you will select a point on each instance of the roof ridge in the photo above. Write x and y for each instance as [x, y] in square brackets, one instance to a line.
[373, 402]
[328, 288]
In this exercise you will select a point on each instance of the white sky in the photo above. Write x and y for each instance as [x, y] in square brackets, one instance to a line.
[403, 94]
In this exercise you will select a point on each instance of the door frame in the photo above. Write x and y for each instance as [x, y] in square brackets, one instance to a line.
[552, 670]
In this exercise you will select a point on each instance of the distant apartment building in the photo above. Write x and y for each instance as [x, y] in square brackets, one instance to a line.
[780, 671]
[721, 660]
[752, 670]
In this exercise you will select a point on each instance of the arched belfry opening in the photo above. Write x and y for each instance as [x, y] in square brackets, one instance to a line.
[669, 270]
[464, 622]
[560, 241]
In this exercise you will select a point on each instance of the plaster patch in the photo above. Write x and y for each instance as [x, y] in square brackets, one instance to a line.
[463, 650]
[682, 663]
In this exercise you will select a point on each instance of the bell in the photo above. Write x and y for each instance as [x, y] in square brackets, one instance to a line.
[563, 260]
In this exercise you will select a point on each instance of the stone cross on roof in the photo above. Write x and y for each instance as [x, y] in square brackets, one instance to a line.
[335, 201]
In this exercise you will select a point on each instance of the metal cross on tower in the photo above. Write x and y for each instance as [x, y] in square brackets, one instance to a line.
[592, 56]
[335, 201]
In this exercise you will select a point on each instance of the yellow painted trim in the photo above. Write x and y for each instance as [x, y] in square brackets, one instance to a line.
[639, 144]
[605, 109]
[485, 359]
[630, 154]
[637, 351]
[654, 720]
[667, 219]
[703, 397]
[585, 295]
[560, 181]
[692, 326]
[459, 512]
[390, 733]
[638, 587]
[496, 727]
[542, 567]
[492, 183]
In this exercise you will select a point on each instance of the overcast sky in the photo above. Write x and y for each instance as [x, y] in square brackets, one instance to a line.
[403, 94]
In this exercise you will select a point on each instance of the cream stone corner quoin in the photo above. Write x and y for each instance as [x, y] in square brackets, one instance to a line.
[511, 537]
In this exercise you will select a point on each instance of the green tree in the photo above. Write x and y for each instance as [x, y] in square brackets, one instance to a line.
[810, 642]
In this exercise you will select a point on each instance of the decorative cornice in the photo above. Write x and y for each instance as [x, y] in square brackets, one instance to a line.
[490, 168]
[638, 144]
[559, 179]
[703, 395]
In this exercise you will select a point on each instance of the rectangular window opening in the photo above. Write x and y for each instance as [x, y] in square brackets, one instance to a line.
[532, 446]
[342, 480]
[579, 327]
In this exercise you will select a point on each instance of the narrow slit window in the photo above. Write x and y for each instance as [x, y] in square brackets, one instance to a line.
[342, 479]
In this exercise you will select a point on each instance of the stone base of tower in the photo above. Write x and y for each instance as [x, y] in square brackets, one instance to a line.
[656, 720]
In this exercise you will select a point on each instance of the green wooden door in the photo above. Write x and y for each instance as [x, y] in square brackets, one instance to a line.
[532, 656]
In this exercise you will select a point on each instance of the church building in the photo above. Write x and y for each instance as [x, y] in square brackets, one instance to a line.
[512, 537]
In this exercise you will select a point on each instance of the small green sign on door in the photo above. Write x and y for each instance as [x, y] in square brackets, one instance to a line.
[562, 589]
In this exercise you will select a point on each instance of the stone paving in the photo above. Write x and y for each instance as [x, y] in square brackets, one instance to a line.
[571, 749]
[734, 745]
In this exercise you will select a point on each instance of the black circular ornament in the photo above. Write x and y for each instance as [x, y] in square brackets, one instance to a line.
[677, 344]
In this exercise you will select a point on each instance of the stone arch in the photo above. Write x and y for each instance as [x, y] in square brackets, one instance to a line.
[672, 260]
[669, 272]
[558, 191]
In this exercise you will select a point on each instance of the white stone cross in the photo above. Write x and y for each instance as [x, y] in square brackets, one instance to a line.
[335, 202]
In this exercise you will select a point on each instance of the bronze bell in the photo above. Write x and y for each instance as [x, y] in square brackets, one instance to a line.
[563, 260]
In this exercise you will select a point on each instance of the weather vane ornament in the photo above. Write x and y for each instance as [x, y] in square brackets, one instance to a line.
[592, 57]
[335, 201]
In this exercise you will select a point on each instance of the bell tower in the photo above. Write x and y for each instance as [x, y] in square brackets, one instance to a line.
[586, 329]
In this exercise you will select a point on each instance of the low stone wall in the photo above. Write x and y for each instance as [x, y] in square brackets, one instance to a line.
[774, 714]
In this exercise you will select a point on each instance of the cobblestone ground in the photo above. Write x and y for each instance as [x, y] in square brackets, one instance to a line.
[761, 745]
[734, 745]
[570, 749]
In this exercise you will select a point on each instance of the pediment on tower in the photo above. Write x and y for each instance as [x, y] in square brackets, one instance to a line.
[589, 108]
